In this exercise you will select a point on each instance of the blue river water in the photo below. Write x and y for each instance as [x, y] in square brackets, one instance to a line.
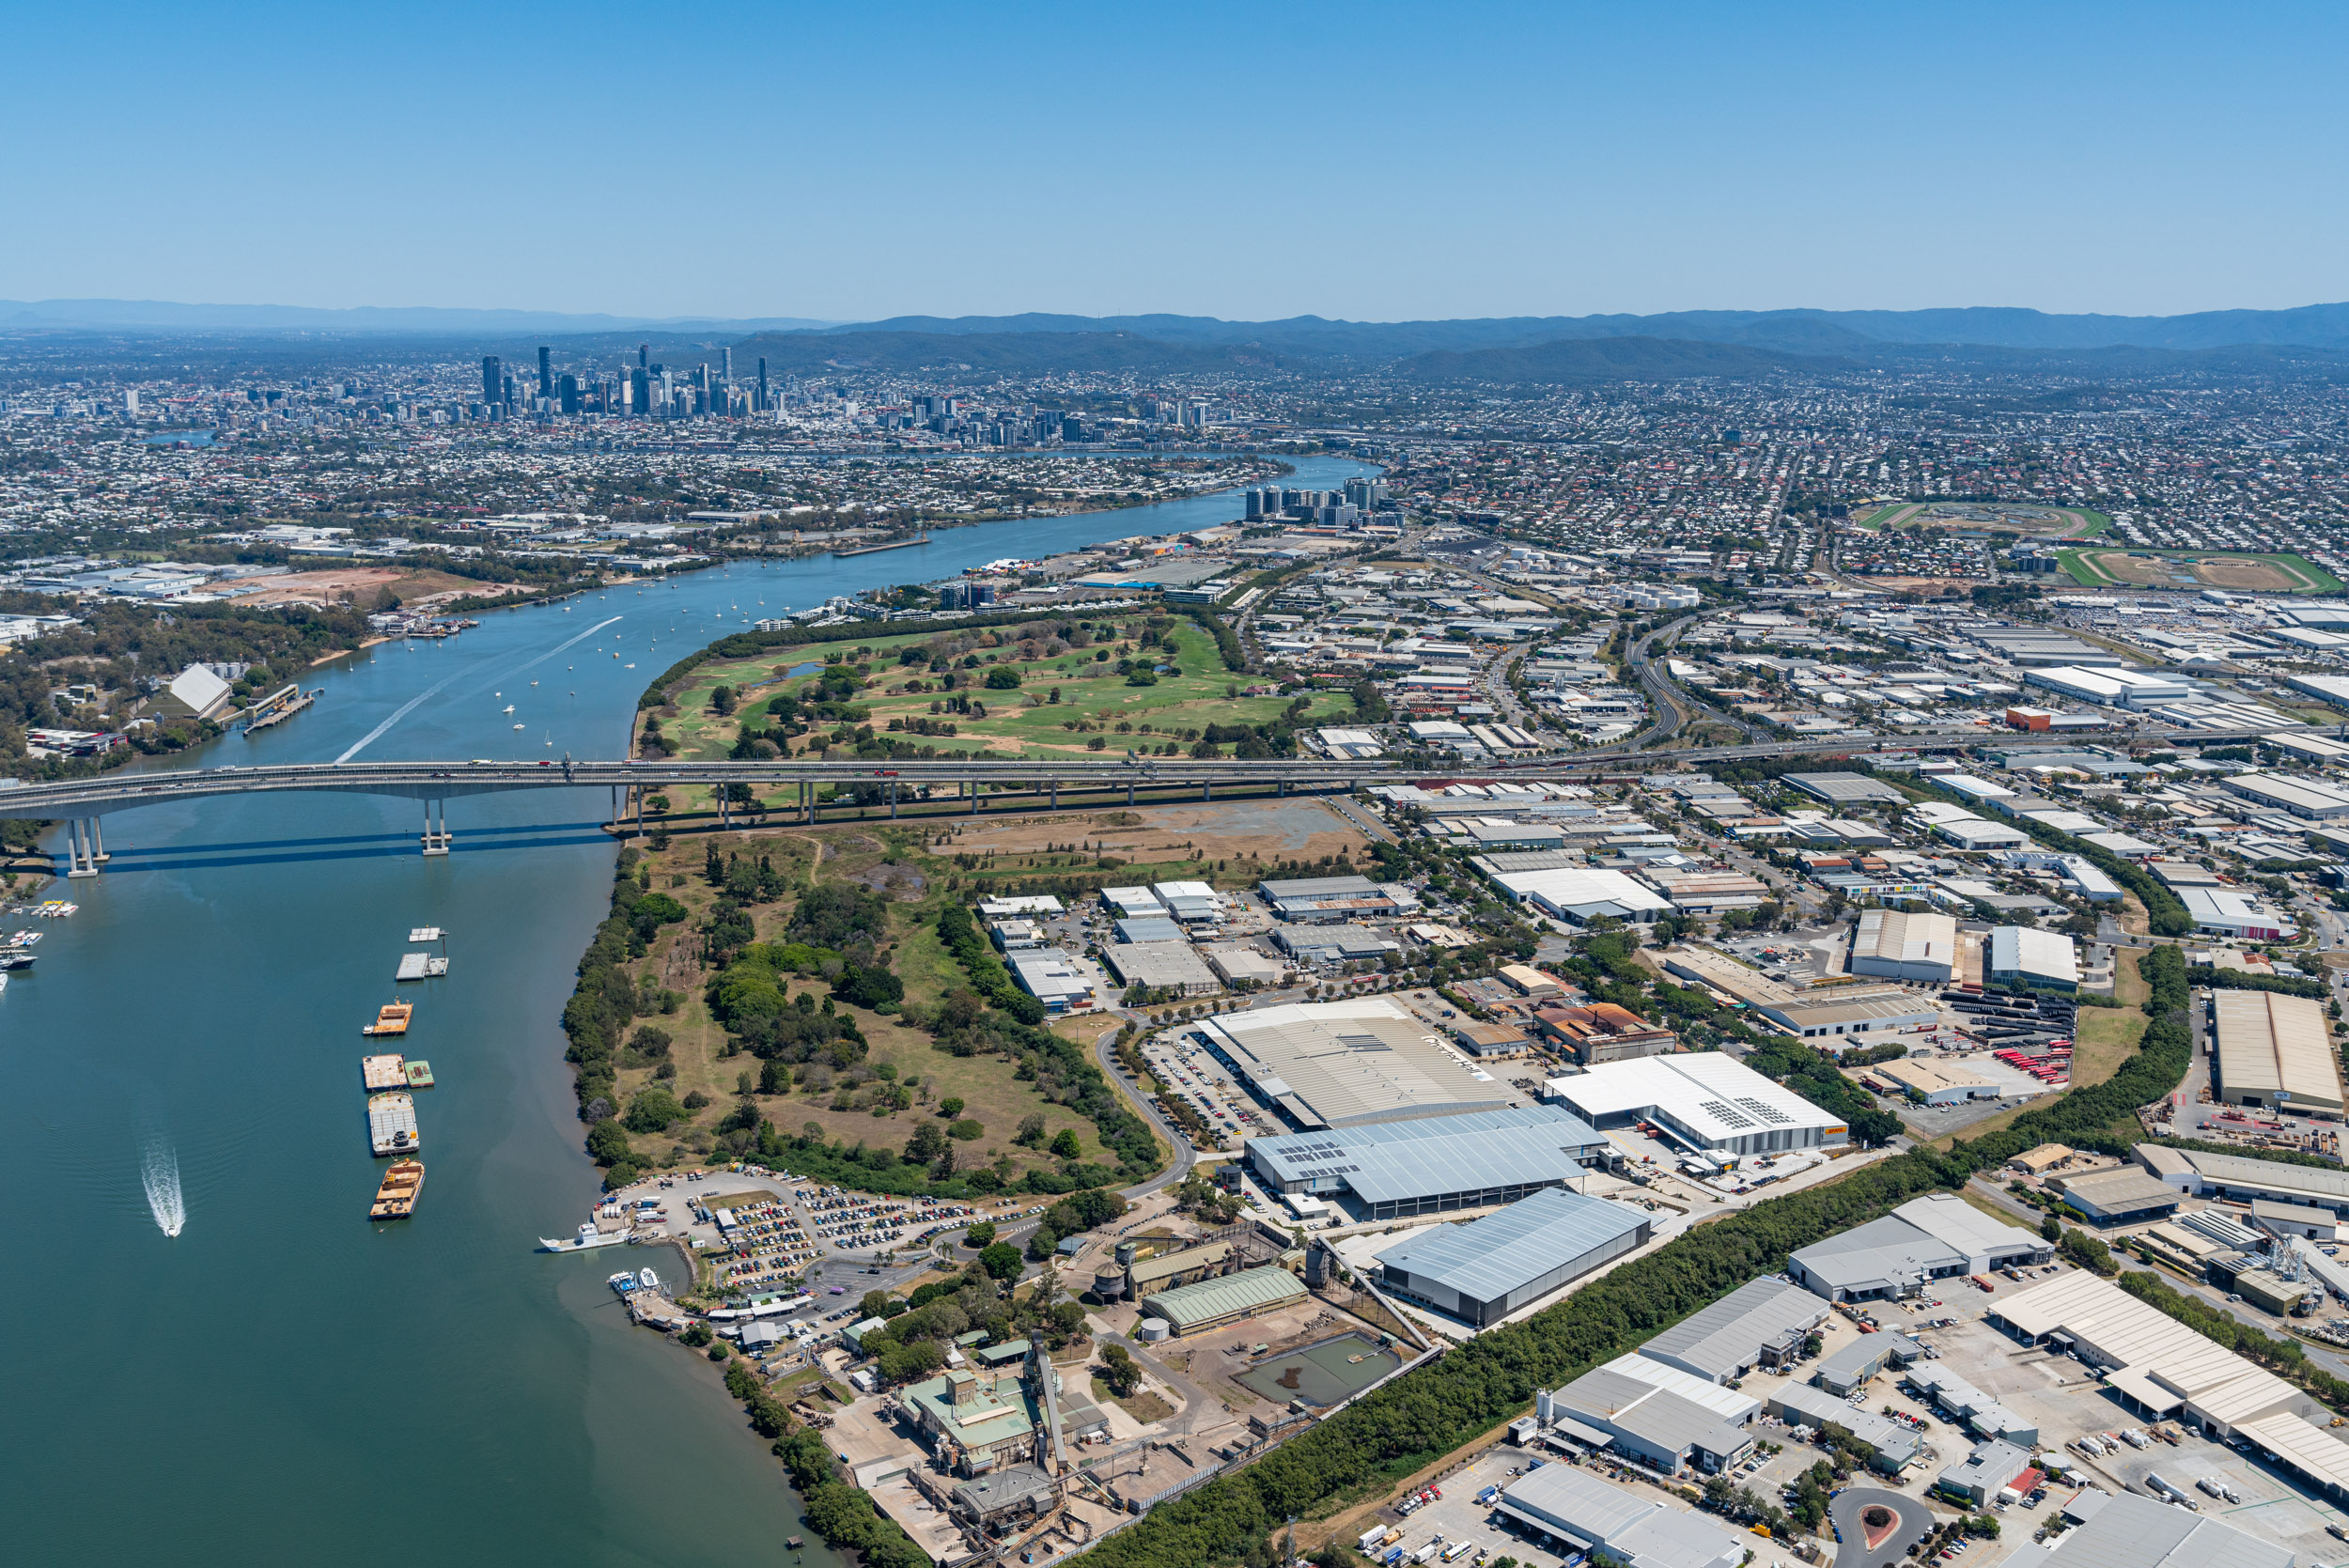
[281, 1382]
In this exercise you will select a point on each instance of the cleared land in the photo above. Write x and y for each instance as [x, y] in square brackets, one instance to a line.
[361, 585]
[2278, 572]
[1071, 702]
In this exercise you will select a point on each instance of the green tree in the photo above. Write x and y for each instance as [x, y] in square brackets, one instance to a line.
[607, 1141]
[951, 1107]
[1064, 1144]
[1003, 678]
[1120, 1370]
[980, 1235]
[1001, 1259]
[654, 1110]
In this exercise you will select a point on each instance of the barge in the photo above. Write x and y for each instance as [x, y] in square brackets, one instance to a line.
[392, 1123]
[403, 1184]
[391, 1019]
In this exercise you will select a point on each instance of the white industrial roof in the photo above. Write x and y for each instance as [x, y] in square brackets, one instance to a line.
[1570, 888]
[2040, 955]
[2276, 1044]
[1946, 1218]
[1713, 1095]
[2125, 1331]
[1364, 1059]
[1906, 939]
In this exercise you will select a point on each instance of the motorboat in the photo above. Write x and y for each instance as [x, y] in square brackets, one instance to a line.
[588, 1237]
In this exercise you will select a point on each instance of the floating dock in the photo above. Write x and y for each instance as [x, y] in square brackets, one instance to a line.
[391, 1019]
[392, 1123]
[382, 1072]
[419, 1073]
[403, 1184]
[421, 966]
[426, 934]
[278, 706]
[893, 544]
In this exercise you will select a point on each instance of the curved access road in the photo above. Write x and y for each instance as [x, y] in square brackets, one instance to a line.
[1845, 1508]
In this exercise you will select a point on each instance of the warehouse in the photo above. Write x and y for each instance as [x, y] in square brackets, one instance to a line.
[1846, 789]
[1710, 892]
[2129, 1531]
[1934, 1238]
[1979, 834]
[2242, 1180]
[1052, 977]
[1394, 1169]
[2122, 1197]
[1194, 904]
[1976, 1412]
[1580, 894]
[2232, 912]
[1333, 944]
[1891, 1447]
[1704, 1099]
[1850, 1010]
[1653, 1413]
[1226, 1299]
[1718, 972]
[2157, 1364]
[1133, 903]
[1763, 1321]
[1346, 1063]
[1242, 965]
[1847, 1369]
[2311, 798]
[1482, 1271]
[1162, 966]
[1581, 1513]
[2274, 1052]
[1979, 1478]
[1603, 1032]
[1319, 900]
[1149, 928]
[1925, 1081]
[2042, 960]
[1905, 947]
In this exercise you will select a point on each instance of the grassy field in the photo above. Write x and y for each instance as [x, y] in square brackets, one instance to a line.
[2272, 572]
[1883, 515]
[1070, 704]
[991, 1094]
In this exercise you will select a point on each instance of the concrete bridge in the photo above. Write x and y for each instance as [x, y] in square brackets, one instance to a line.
[1017, 784]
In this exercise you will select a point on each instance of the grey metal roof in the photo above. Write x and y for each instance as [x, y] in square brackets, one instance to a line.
[1487, 1259]
[1991, 1465]
[1247, 1291]
[1389, 1161]
[1149, 928]
[1634, 1529]
[2130, 1531]
[1318, 886]
[1716, 1341]
[1897, 1444]
[1883, 1252]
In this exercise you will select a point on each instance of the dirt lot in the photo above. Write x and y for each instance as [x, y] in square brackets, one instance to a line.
[361, 585]
[1241, 829]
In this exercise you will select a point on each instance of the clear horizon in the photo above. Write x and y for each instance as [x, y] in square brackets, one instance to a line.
[1373, 164]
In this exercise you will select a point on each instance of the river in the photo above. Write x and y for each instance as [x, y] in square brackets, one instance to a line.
[282, 1382]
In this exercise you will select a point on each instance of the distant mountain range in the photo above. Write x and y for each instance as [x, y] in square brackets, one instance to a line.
[2309, 340]
[402, 320]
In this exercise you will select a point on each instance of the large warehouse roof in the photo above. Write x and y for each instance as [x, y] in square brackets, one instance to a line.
[1722, 1341]
[2240, 1176]
[1342, 1063]
[1717, 1098]
[1634, 1529]
[1846, 789]
[2130, 1531]
[1885, 1254]
[2277, 1045]
[1582, 893]
[1392, 1161]
[2034, 954]
[2124, 1332]
[1488, 1258]
[1250, 1290]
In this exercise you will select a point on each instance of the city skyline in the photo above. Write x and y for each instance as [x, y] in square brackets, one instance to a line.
[1511, 162]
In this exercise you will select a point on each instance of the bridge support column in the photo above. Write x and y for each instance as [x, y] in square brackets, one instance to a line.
[893, 800]
[78, 863]
[1206, 789]
[1130, 792]
[1284, 790]
[98, 840]
[639, 792]
[972, 786]
[436, 836]
[1056, 795]
[722, 807]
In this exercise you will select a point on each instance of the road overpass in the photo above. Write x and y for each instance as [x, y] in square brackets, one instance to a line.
[1019, 783]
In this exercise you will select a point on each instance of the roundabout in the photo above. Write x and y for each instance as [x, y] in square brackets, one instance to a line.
[1876, 1527]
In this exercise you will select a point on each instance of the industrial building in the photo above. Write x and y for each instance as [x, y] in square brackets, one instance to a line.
[1226, 1299]
[1486, 1269]
[2124, 1197]
[1926, 1081]
[2275, 1053]
[1652, 1412]
[1333, 944]
[1603, 1032]
[1849, 1367]
[1133, 903]
[1849, 1012]
[2311, 798]
[2242, 1180]
[1326, 900]
[1347, 1064]
[1240, 965]
[1705, 1100]
[1148, 928]
[1718, 972]
[2025, 955]
[1579, 1513]
[1580, 894]
[2124, 1531]
[1976, 1412]
[1163, 966]
[1761, 1323]
[1194, 904]
[1710, 892]
[1891, 1447]
[1905, 947]
[1990, 1469]
[1846, 789]
[1052, 977]
[2114, 687]
[2160, 1366]
[1934, 1238]
[2234, 912]
[1432, 1166]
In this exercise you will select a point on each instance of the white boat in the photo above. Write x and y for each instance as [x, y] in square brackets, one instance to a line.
[587, 1238]
[509, 707]
[647, 1279]
[4, 983]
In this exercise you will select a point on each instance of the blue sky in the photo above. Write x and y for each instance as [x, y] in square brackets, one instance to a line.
[1364, 160]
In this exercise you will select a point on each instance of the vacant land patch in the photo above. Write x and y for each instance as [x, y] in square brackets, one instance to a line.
[359, 586]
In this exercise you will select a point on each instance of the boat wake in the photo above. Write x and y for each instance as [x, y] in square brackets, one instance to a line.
[158, 1172]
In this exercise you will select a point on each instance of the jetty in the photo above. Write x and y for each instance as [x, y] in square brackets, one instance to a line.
[421, 966]
[887, 544]
[278, 706]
